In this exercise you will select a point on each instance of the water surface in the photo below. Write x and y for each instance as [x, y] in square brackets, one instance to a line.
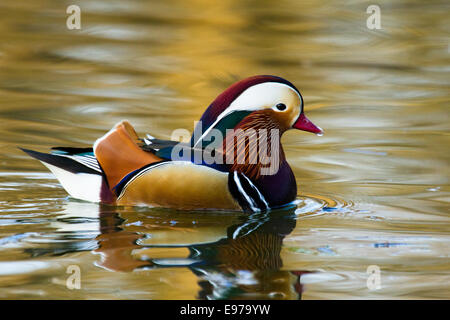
[374, 190]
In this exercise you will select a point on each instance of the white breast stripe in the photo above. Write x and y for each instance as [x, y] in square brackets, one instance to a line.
[250, 201]
[84, 186]
[256, 97]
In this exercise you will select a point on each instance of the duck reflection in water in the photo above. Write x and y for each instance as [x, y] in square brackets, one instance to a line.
[244, 263]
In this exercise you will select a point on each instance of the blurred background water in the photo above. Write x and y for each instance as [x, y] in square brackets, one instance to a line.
[374, 190]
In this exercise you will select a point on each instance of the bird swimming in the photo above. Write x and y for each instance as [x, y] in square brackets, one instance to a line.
[233, 161]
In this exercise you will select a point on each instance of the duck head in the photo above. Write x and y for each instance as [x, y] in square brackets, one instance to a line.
[260, 102]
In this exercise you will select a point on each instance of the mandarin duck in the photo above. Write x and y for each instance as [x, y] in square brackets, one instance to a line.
[234, 160]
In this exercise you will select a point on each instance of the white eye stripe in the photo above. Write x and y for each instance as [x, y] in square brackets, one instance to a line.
[261, 95]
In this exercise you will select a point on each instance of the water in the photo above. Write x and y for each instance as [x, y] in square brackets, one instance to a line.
[374, 190]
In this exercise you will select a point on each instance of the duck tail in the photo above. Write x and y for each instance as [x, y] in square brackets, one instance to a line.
[78, 171]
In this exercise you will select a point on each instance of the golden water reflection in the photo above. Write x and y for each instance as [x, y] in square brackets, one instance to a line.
[241, 260]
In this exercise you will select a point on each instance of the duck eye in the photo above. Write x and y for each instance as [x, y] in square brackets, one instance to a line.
[281, 106]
